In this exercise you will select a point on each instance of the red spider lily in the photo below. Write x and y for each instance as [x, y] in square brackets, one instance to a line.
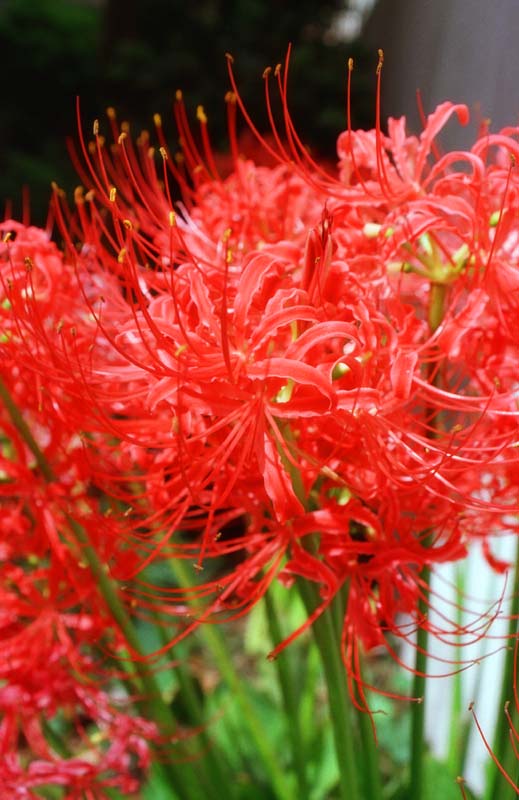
[52, 618]
[327, 358]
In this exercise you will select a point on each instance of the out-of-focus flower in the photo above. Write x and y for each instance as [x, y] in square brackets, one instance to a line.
[60, 721]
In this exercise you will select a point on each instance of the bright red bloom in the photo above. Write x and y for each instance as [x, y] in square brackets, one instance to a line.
[293, 355]
[52, 618]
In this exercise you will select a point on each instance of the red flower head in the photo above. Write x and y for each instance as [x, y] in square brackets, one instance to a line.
[323, 363]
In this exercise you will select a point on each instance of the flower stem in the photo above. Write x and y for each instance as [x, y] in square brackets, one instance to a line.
[327, 635]
[290, 701]
[215, 644]
[436, 305]
[329, 647]
[371, 785]
[437, 295]
[371, 772]
[418, 691]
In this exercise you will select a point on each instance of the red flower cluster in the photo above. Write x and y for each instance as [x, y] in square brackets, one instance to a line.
[60, 722]
[290, 373]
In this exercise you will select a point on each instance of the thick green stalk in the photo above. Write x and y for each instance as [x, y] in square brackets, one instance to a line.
[436, 312]
[339, 703]
[418, 691]
[215, 644]
[328, 640]
[496, 788]
[436, 305]
[286, 676]
[371, 783]
[371, 773]
[214, 763]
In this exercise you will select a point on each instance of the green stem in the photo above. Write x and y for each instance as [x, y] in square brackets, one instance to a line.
[287, 684]
[371, 773]
[502, 748]
[25, 432]
[418, 713]
[328, 639]
[437, 295]
[371, 784]
[215, 644]
[213, 762]
[329, 647]
[436, 305]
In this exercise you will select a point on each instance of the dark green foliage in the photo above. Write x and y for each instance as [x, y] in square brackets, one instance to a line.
[135, 55]
[49, 55]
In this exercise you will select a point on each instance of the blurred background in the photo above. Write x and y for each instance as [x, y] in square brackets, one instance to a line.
[134, 55]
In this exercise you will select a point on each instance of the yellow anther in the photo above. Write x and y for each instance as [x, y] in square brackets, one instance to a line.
[164, 153]
[201, 115]
[230, 97]
[122, 255]
[229, 58]
[90, 196]
[267, 71]
[178, 95]
[78, 195]
[127, 224]
[151, 152]
[172, 219]
[380, 60]
[28, 262]
[122, 136]
[95, 127]
[110, 112]
[7, 237]
[113, 194]
[227, 234]
[350, 64]
[157, 120]
[277, 70]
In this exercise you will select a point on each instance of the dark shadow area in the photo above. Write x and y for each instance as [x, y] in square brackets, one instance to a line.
[133, 56]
